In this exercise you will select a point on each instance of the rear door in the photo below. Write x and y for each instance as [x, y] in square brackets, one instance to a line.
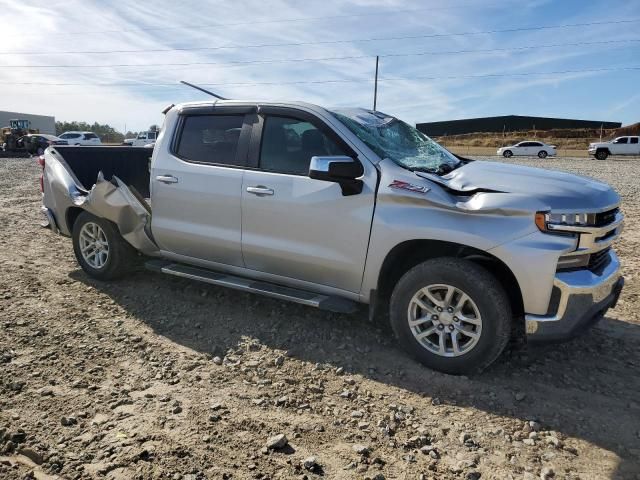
[634, 146]
[196, 184]
[295, 227]
[90, 139]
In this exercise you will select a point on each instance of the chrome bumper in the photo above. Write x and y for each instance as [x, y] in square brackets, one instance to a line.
[584, 297]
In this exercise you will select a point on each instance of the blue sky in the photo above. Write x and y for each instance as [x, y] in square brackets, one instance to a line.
[456, 76]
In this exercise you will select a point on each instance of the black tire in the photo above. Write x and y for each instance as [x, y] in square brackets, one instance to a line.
[542, 154]
[507, 154]
[484, 290]
[122, 257]
[602, 154]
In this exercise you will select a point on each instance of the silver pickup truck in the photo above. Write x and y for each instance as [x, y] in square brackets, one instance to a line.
[335, 208]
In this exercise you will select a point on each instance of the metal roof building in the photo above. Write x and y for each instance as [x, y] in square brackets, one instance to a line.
[508, 123]
[44, 123]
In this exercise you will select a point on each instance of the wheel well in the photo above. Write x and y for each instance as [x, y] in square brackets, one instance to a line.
[601, 149]
[408, 254]
[72, 215]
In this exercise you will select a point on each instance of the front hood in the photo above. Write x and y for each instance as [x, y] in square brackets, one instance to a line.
[558, 190]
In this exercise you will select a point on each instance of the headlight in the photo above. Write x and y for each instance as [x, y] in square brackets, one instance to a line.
[555, 222]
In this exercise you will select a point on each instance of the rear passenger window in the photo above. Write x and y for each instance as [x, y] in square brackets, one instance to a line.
[289, 143]
[633, 140]
[210, 139]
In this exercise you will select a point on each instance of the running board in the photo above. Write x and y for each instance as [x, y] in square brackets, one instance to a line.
[321, 301]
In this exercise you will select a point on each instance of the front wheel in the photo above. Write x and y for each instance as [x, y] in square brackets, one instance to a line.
[100, 249]
[507, 154]
[452, 315]
[542, 154]
[602, 154]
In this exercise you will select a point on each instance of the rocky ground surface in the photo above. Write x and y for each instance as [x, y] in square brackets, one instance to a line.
[156, 377]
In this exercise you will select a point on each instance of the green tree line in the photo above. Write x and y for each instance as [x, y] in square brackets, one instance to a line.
[107, 133]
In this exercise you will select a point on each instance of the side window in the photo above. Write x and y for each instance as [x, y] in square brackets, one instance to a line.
[621, 140]
[210, 138]
[152, 136]
[289, 143]
[535, 144]
[633, 140]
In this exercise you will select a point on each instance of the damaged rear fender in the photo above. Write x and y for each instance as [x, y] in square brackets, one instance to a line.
[112, 200]
[116, 202]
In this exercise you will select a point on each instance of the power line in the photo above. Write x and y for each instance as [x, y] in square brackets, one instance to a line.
[301, 82]
[282, 20]
[328, 42]
[317, 59]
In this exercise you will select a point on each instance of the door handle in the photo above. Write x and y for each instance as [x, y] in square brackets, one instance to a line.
[260, 190]
[167, 179]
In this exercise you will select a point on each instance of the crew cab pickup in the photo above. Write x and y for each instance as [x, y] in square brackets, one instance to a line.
[142, 139]
[617, 146]
[335, 208]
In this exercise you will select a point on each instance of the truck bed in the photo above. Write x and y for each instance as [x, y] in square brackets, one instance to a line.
[130, 164]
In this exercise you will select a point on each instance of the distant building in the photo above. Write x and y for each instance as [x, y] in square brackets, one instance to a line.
[508, 123]
[44, 123]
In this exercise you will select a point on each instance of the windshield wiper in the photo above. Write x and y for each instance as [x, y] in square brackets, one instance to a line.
[441, 169]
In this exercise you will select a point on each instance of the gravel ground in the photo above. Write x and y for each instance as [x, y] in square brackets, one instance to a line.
[157, 377]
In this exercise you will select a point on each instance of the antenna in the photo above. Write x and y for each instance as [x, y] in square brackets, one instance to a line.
[203, 90]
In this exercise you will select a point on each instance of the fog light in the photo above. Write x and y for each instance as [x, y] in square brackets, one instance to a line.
[569, 262]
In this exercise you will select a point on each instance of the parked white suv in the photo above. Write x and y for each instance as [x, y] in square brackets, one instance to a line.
[81, 138]
[528, 148]
[618, 146]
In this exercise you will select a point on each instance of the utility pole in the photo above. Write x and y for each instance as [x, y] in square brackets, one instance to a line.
[375, 86]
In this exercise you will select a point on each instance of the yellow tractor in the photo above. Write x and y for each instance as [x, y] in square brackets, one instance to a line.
[11, 137]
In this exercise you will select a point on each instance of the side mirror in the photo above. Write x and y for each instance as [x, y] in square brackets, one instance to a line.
[339, 169]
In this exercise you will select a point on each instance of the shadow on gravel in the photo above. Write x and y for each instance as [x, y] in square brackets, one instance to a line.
[587, 388]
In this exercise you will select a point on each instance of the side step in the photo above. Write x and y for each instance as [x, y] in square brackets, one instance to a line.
[321, 301]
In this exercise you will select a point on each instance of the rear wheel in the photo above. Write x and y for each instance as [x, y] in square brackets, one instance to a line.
[100, 249]
[602, 154]
[452, 315]
[542, 154]
[507, 154]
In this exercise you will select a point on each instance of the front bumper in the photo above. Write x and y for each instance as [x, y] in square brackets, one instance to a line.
[582, 299]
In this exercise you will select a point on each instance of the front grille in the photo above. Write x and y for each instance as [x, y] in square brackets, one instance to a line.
[599, 260]
[604, 218]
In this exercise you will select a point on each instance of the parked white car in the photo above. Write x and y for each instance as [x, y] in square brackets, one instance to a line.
[81, 138]
[619, 146]
[143, 139]
[528, 148]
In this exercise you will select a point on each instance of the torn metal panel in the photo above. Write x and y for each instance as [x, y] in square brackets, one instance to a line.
[114, 201]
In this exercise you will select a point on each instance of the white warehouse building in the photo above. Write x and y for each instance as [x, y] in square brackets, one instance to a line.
[44, 123]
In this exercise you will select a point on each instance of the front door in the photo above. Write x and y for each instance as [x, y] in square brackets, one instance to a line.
[296, 227]
[196, 189]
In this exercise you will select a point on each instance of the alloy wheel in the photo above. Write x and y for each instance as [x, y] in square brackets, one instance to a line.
[94, 245]
[444, 320]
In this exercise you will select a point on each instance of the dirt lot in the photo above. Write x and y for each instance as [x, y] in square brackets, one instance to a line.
[155, 377]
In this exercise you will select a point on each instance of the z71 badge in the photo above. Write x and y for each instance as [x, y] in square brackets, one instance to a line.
[408, 186]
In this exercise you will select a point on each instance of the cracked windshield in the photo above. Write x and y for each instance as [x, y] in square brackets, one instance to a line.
[391, 138]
